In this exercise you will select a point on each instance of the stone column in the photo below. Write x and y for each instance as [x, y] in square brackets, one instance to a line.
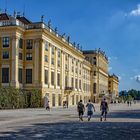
[50, 60]
[74, 75]
[56, 61]
[69, 71]
[62, 70]
[78, 76]
[36, 63]
[42, 60]
[81, 77]
[14, 81]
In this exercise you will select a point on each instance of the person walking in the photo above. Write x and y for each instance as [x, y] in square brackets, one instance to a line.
[80, 110]
[90, 108]
[47, 106]
[104, 108]
[128, 103]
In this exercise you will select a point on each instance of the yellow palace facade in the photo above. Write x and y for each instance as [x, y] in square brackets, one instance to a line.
[33, 55]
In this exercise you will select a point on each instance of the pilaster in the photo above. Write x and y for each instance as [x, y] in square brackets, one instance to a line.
[49, 72]
[14, 81]
[56, 61]
[36, 62]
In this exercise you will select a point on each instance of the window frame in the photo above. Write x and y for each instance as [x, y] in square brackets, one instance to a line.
[5, 55]
[30, 57]
[29, 78]
[29, 44]
[5, 78]
[5, 42]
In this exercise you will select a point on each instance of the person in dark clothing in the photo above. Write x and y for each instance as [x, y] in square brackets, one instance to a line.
[104, 108]
[81, 110]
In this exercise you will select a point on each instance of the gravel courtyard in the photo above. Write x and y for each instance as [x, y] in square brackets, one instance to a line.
[62, 124]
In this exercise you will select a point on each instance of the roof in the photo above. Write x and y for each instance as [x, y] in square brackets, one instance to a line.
[4, 16]
[24, 20]
[89, 51]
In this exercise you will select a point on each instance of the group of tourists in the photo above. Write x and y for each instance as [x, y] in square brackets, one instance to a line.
[90, 108]
[81, 108]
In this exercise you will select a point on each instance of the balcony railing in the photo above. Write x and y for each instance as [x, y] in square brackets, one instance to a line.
[69, 88]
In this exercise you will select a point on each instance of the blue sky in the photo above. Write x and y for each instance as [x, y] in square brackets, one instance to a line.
[112, 25]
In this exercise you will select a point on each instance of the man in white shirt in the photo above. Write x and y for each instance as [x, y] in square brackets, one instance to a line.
[90, 108]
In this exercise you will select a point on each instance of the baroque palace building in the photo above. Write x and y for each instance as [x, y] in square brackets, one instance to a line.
[99, 74]
[33, 55]
[113, 83]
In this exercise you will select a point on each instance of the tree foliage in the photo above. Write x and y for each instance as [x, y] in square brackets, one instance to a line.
[129, 95]
[11, 98]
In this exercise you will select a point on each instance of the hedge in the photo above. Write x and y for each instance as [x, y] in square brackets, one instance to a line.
[11, 98]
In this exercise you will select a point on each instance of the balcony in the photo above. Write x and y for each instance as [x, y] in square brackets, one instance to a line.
[69, 88]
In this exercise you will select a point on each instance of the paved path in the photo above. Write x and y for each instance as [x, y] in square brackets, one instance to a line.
[123, 123]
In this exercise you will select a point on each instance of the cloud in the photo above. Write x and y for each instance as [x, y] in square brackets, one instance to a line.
[135, 12]
[137, 78]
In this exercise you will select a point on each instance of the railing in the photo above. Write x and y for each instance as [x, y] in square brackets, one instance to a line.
[37, 25]
[69, 88]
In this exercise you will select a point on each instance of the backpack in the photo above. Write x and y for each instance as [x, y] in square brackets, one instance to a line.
[80, 106]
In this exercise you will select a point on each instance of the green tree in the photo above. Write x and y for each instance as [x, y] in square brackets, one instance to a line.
[133, 93]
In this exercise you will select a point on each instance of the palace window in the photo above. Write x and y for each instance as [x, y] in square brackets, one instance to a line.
[66, 57]
[79, 84]
[53, 50]
[46, 58]
[20, 75]
[66, 81]
[59, 53]
[58, 63]
[72, 82]
[76, 63]
[5, 41]
[76, 70]
[76, 83]
[46, 46]
[94, 88]
[72, 69]
[5, 55]
[5, 75]
[29, 44]
[29, 76]
[94, 73]
[58, 79]
[59, 99]
[72, 61]
[52, 78]
[20, 43]
[80, 72]
[53, 99]
[29, 56]
[20, 56]
[66, 66]
[46, 76]
[94, 60]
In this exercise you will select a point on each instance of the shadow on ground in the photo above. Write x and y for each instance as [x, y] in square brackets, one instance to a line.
[76, 131]
[132, 114]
